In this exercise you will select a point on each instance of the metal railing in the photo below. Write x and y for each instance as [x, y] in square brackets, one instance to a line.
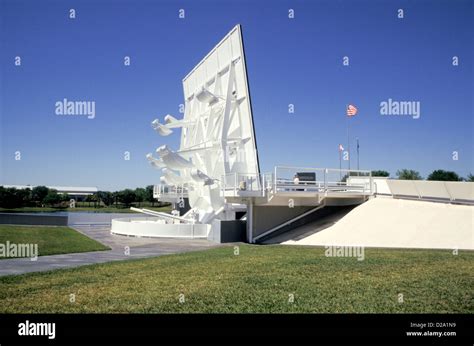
[304, 179]
[288, 179]
[169, 191]
[244, 183]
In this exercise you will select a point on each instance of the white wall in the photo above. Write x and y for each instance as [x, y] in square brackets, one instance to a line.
[379, 184]
[425, 189]
[146, 227]
[449, 190]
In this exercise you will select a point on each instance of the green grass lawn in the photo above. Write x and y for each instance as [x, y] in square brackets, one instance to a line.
[81, 209]
[259, 279]
[51, 240]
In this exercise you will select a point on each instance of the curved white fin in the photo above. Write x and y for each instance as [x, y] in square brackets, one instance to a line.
[173, 160]
[160, 128]
[157, 163]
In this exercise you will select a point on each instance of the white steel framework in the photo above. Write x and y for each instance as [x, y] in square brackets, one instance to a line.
[216, 166]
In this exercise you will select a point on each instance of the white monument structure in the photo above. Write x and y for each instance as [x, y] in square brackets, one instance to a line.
[218, 192]
[217, 133]
[216, 168]
[217, 139]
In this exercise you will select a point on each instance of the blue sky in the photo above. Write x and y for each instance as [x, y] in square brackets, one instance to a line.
[297, 61]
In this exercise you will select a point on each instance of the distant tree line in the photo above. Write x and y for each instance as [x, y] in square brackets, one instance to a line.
[438, 175]
[41, 196]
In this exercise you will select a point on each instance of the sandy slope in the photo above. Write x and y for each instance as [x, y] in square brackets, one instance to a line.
[386, 222]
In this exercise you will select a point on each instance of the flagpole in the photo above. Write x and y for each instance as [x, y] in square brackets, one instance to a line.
[348, 140]
[340, 164]
[357, 153]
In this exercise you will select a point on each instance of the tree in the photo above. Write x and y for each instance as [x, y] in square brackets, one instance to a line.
[442, 175]
[470, 177]
[106, 197]
[25, 196]
[3, 196]
[52, 198]
[39, 193]
[408, 174]
[8, 198]
[115, 196]
[94, 198]
[88, 199]
[127, 197]
[21, 197]
[65, 197]
[14, 198]
[379, 173]
[140, 195]
[149, 195]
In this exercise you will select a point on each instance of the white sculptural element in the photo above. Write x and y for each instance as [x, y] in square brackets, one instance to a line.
[216, 167]
[217, 133]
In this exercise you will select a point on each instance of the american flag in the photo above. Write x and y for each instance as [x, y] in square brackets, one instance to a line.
[351, 110]
[341, 148]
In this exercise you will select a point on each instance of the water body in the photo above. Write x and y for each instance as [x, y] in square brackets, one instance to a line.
[85, 218]
[78, 218]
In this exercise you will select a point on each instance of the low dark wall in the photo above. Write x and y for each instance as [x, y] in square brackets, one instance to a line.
[267, 217]
[233, 231]
[33, 219]
[316, 215]
[183, 210]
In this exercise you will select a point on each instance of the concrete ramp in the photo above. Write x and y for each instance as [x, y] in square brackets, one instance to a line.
[397, 223]
[316, 222]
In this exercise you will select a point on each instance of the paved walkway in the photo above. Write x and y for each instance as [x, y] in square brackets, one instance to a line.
[138, 248]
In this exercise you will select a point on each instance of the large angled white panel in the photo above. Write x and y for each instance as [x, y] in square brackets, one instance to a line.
[217, 134]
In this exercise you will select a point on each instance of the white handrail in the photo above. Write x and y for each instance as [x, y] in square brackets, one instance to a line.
[322, 205]
[161, 214]
[258, 182]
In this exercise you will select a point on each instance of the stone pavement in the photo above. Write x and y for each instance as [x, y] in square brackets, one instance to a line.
[123, 248]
